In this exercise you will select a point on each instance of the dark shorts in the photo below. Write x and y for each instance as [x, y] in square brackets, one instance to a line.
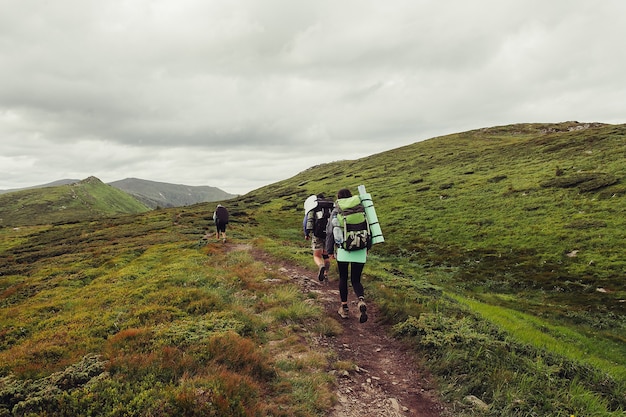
[220, 225]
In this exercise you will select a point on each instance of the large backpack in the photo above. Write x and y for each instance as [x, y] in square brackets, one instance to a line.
[351, 217]
[221, 214]
[321, 214]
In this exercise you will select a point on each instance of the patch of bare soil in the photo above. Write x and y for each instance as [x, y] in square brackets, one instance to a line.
[388, 380]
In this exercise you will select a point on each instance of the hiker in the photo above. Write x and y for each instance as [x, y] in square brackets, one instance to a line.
[315, 230]
[220, 217]
[347, 241]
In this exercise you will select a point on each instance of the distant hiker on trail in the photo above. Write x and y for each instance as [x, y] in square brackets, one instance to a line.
[220, 217]
[348, 240]
[316, 215]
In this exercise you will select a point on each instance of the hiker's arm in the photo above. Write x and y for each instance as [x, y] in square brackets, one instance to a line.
[309, 224]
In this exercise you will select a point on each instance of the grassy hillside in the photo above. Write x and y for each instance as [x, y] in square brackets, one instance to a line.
[83, 200]
[66, 181]
[522, 227]
[501, 267]
[135, 315]
[537, 208]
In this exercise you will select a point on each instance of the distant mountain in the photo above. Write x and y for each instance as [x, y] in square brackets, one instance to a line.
[153, 194]
[160, 194]
[82, 200]
[50, 184]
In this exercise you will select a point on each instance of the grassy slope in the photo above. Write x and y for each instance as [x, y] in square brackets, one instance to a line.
[180, 327]
[483, 202]
[490, 217]
[474, 273]
[86, 199]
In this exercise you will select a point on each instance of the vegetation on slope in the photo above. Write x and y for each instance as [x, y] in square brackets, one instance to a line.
[520, 228]
[501, 266]
[132, 316]
[87, 199]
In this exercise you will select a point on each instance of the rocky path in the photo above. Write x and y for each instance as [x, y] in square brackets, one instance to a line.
[388, 380]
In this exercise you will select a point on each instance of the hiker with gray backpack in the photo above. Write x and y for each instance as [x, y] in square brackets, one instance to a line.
[317, 211]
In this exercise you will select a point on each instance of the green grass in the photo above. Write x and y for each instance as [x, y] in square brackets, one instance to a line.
[151, 304]
[87, 199]
[502, 267]
[492, 216]
[606, 355]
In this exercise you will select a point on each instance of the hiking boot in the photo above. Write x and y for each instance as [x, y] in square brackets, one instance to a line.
[363, 310]
[321, 275]
[343, 312]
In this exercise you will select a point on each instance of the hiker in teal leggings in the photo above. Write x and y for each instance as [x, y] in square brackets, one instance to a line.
[347, 268]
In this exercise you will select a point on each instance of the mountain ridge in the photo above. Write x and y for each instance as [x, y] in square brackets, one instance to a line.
[66, 181]
[160, 194]
[153, 194]
[86, 199]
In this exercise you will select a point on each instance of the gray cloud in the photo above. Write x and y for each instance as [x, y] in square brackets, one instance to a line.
[239, 93]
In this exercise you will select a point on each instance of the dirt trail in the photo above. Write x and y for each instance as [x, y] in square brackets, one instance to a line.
[388, 381]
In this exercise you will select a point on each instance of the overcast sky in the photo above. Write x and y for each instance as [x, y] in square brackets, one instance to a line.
[238, 94]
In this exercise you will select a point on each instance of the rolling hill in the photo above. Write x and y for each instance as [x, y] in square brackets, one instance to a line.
[159, 194]
[547, 195]
[533, 212]
[152, 193]
[50, 184]
[502, 267]
[82, 200]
